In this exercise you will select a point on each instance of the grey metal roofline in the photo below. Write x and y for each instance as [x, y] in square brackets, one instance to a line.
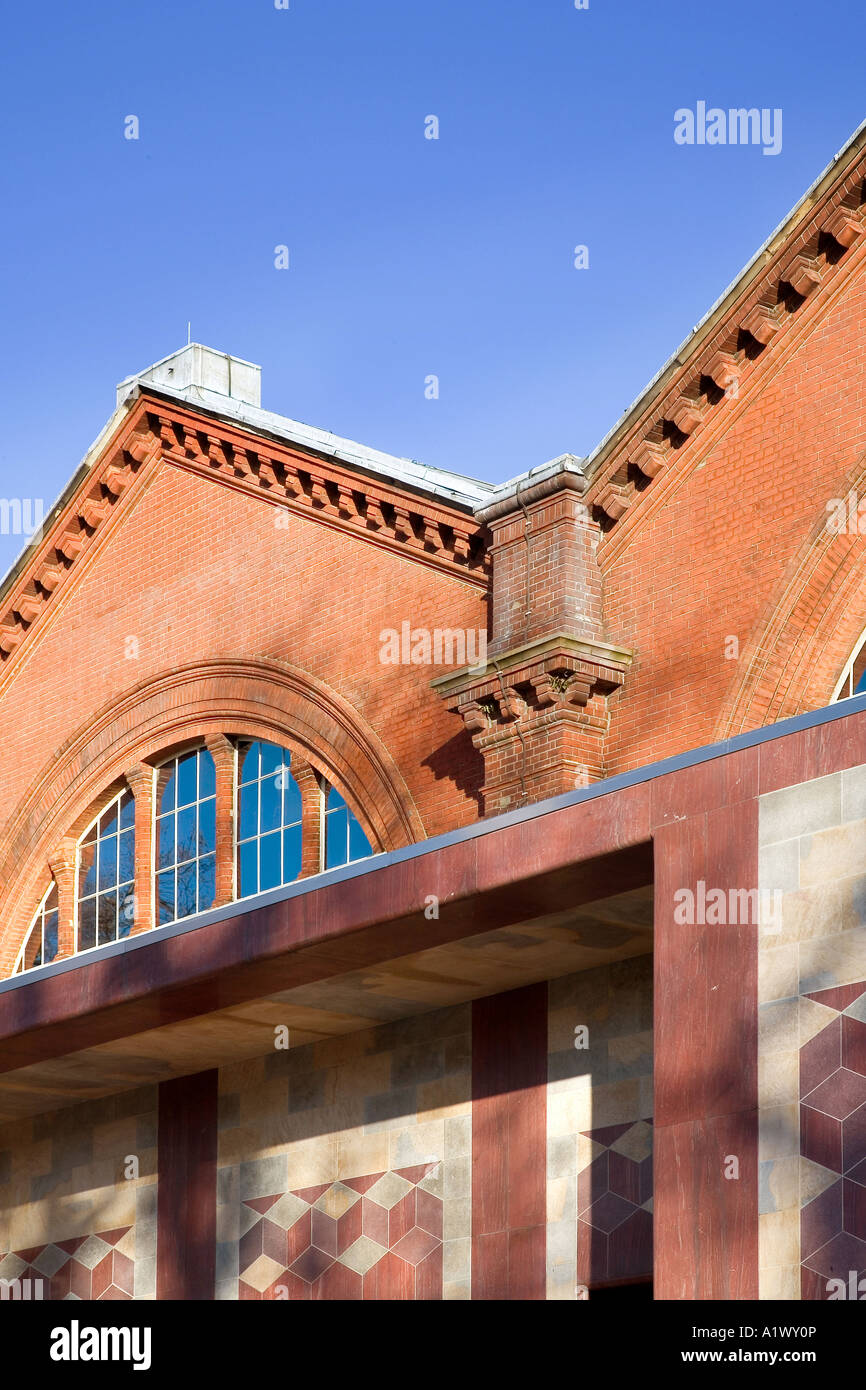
[842, 709]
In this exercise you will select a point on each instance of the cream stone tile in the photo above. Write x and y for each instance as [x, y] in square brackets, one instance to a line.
[242, 1076]
[363, 1076]
[830, 855]
[813, 1017]
[778, 1078]
[456, 1260]
[587, 1150]
[631, 1055]
[562, 1199]
[311, 1161]
[420, 1144]
[779, 1132]
[460, 1292]
[567, 1113]
[778, 971]
[814, 1179]
[778, 1026]
[457, 1222]
[783, 1181]
[635, 1143]
[263, 1273]
[236, 1145]
[781, 1283]
[835, 960]
[446, 1099]
[359, 1154]
[779, 1238]
[263, 1100]
[613, 1104]
[458, 1135]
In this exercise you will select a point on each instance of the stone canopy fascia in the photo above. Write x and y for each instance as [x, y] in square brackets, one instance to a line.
[154, 428]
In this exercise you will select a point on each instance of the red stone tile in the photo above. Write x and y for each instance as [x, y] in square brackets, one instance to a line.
[79, 1280]
[101, 1276]
[401, 1218]
[838, 998]
[338, 1283]
[855, 1209]
[246, 1292]
[840, 1095]
[112, 1237]
[299, 1238]
[820, 1220]
[263, 1204]
[288, 1288]
[324, 1232]
[428, 1212]
[312, 1194]
[123, 1273]
[415, 1246]
[854, 1045]
[415, 1174]
[624, 1179]
[311, 1264]
[591, 1255]
[250, 1246]
[821, 1138]
[115, 1295]
[349, 1227]
[527, 1255]
[490, 1266]
[390, 1279]
[838, 1257]
[428, 1277]
[374, 1221]
[821, 1056]
[630, 1247]
[362, 1184]
[854, 1139]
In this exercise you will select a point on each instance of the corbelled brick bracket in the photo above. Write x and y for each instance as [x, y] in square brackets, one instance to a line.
[537, 707]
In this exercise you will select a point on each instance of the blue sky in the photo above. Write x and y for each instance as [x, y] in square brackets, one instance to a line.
[409, 257]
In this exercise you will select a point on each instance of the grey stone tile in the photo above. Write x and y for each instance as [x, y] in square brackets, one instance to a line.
[779, 866]
[263, 1176]
[226, 1260]
[800, 810]
[229, 1110]
[146, 1132]
[390, 1105]
[226, 1291]
[306, 1091]
[413, 1066]
[854, 793]
[458, 1136]
[228, 1185]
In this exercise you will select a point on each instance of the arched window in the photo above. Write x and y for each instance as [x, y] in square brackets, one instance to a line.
[40, 943]
[106, 873]
[853, 678]
[345, 841]
[269, 819]
[185, 836]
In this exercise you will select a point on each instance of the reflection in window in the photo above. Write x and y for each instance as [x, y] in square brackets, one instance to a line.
[345, 841]
[40, 943]
[185, 836]
[106, 869]
[269, 819]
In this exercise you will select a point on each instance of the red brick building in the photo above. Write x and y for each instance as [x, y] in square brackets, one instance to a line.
[413, 888]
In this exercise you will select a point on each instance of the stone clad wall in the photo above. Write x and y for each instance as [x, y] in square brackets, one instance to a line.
[68, 1215]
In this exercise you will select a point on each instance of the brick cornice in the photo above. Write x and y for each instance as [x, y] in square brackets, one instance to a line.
[709, 382]
[416, 526]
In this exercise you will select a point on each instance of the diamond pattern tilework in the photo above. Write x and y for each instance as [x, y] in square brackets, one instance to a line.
[88, 1267]
[833, 1135]
[614, 1205]
[373, 1237]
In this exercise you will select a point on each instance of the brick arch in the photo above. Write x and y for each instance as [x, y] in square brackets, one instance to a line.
[259, 699]
[795, 657]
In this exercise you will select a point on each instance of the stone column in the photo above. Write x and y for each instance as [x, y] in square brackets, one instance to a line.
[62, 864]
[223, 753]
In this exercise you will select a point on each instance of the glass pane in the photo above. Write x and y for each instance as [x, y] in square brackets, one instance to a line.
[206, 775]
[127, 810]
[250, 764]
[108, 862]
[186, 890]
[186, 833]
[165, 897]
[108, 821]
[165, 783]
[334, 799]
[186, 779]
[207, 827]
[126, 857]
[249, 798]
[291, 854]
[125, 911]
[165, 841]
[272, 757]
[271, 872]
[106, 918]
[206, 882]
[270, 800]
[87, 870]
[359, 845]
[33, 948]
[87, 925]
[248, 868]
[50, 951]
[336, 838]
[291, 799]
